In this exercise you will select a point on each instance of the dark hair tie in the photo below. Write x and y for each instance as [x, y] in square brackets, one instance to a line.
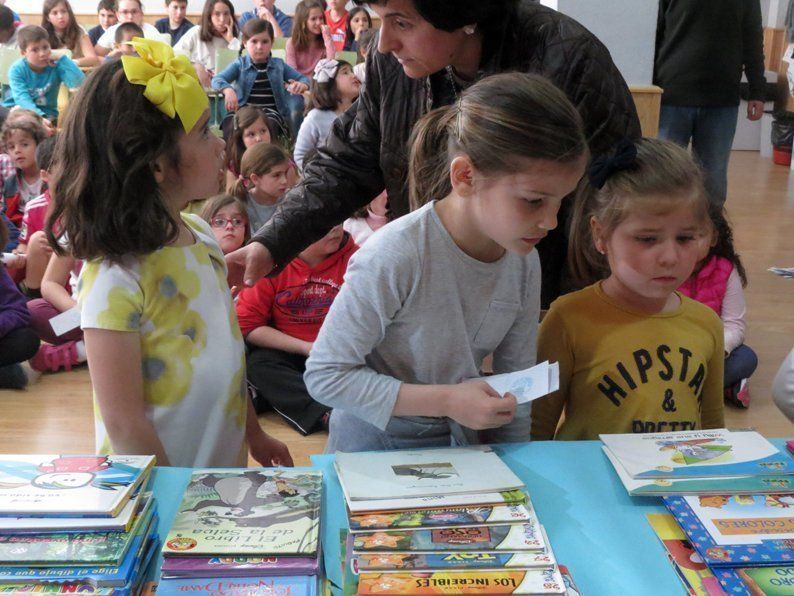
[624, 157]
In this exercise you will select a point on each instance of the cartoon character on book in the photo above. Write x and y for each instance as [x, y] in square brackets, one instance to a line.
[696, 451]
[66, 472]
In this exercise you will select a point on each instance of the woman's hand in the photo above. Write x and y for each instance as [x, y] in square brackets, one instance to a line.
[230, 99]
[248, 264]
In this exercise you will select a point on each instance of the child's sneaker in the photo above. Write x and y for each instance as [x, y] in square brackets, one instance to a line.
[55, 358]
[743, 394]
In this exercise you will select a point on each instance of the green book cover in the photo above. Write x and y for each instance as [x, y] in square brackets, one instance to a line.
[248, 512]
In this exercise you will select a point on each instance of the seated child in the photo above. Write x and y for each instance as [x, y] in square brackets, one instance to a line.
[125, 33]
[32, 239]
[334, 89]
[106, 14]
[336, 19]
[635, 356]
[175, 24]
[718, 282]
[21, 135]
[367, 220]
[35, 80]
[365, 42]
[8, 29]
[280, 318]
[249, 126]
[358, 21]
[18, 341]
[259, 79]
[229, 221]
[264, 178]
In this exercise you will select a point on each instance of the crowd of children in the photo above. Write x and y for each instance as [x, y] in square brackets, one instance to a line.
[378, 337]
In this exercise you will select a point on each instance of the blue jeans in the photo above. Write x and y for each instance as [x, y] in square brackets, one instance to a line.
[711, 132]
[349, 433]
[740, 364]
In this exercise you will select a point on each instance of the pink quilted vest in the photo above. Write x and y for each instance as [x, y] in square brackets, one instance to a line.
[709, 284]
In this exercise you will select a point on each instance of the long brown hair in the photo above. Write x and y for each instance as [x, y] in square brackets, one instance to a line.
[104, 193]
[500, 118]
[301, 38]
[242, 119]
[207, 31]
[73, 32]
[259, 160]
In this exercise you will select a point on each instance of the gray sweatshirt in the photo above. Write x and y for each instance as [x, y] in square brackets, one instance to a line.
[415, 308]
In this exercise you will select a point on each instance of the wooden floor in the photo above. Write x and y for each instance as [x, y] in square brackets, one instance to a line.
[55, 414]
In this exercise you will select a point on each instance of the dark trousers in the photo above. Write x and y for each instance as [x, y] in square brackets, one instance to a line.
[740, 364]
[278, 379]
[16, 346]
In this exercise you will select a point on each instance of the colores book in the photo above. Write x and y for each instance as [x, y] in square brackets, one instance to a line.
[534, 581]
[697, 453]
[439, 501]
[738, 530]
[424, 472]
[400, 562]
[268, 512]
[509, 538]
[241, 586]
[660, 487]
[237, 566]
[69, 485]
[446, 517]
[757, 581]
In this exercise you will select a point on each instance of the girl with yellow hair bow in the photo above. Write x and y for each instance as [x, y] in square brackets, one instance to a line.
[164, 348]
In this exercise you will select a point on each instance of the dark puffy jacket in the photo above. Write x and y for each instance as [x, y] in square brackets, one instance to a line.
[367, 148]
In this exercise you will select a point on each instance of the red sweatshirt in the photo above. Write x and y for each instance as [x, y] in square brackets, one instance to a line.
[297, 300]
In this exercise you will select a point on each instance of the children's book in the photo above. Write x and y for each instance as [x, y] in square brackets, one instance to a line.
[42, 524]
[696, 577]
[698, 453]
[421, 473]
[268, 512]
[509, 538]
[567, 579]
[736, 530]
[462, 500]
[241, 586]
[96, 549]
[238, 566]
[446, 517]
[70, 485]
[660, 487]
[532, 581]
[757, 581]
[62, 588]
[400, 562]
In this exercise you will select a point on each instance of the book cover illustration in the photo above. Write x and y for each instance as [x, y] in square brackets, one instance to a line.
[96, 548]
[247, 512]
[533, 581]
[69, 485]
[698, 453]
[237, 566]
[571, 588]
[241, 586]
[71, 588]
[437, 501]
[425, 472]
[509, 538]
[694, 574]
[659, 487]
[387, 562]
[446, 517]
[757, 581]
[737, 530]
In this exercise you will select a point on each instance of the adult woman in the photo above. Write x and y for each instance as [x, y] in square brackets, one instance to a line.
[216, 30]
[58, 20]
[428, 51]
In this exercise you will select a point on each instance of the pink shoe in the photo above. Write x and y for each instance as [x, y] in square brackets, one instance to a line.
[743, 395]
[55, 358]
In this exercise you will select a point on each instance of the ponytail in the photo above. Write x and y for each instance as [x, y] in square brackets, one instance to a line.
[587, 265]
[428, 164]
[238, 188]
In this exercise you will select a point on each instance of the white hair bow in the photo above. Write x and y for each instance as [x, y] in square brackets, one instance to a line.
[325, 70]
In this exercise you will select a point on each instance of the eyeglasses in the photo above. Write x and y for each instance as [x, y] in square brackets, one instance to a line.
[222, 222]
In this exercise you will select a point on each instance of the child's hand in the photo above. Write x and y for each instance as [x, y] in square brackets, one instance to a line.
[13, 260]
[264, 14]
[477, 406]
[296, 87]
[325, 30]
[230, 98]
[268, 451]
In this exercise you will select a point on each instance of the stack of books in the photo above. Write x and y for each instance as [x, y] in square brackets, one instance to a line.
[245, 531]
[441, 521]
[75, 523]
[730, 526]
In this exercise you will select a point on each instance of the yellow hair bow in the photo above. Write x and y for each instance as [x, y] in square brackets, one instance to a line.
[171, 81]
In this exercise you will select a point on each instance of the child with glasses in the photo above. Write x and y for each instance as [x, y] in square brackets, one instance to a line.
[228, 218]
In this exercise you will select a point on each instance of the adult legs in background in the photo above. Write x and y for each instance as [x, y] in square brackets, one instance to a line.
[711, 145]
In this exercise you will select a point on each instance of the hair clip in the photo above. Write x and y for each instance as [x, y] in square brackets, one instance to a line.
[623, 157]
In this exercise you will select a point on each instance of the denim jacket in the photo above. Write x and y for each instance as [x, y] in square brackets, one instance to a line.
[241, 75]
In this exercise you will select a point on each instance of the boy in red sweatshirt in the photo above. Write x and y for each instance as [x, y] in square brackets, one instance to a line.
[280, 318]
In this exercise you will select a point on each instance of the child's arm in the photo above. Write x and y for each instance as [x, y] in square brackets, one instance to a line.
[89, 54]
[712, 397]
[733, 310]
[290, 54]
[554, 346]
[308, 138]
[224, 81]
[114, 363]
[69, 72]
[328, 42]
[292, 75]
[266, 450]
[18, 81]
[270, 337]
[783, 387]
[53, 285]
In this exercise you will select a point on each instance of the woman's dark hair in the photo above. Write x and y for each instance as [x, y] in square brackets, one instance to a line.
[325, 96]
[496, 122]
[244, 118]
[301, 38]
[207, 31]
[723, 240]
[449, 15]
[106, 199]
[255, 27]
[73, 32]
[349, 35]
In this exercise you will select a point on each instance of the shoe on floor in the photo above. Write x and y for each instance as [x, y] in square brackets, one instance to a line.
[54, 358]
[743, 394]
